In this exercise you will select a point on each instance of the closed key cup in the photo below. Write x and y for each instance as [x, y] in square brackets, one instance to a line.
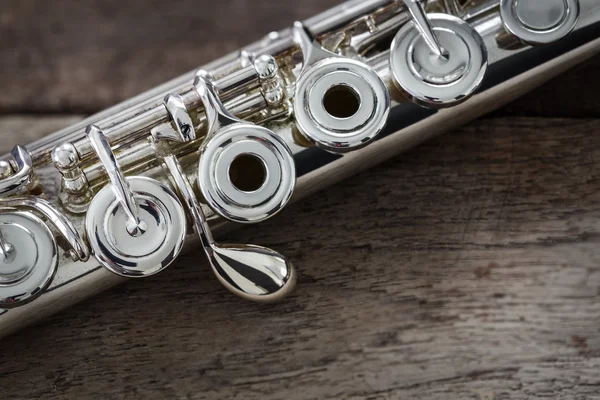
[437, 60]
[136, 226]
[28, 249]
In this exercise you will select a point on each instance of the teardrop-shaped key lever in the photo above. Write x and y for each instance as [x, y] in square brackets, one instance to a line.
[253, 272]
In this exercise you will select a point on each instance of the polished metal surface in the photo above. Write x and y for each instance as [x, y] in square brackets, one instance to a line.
[7, 250]
[540, 22]
[136, 226]
[30, 257]
[182, 120]
[353, 125]
[66, 160]
[433, 80]
[77, 248]
[268, 75]
[228, 139]
[119, 186]
[146, 251]
[5, 169]
[421, 22]
[334, 73]
[252, 272]
[15, 182]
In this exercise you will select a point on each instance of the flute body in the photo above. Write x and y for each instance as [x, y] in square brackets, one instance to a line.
[275, 122]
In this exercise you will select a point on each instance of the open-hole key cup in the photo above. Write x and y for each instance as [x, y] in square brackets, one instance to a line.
[340, 104]
[437, 60]
[230, 140]
[252, 272]
[136, 226]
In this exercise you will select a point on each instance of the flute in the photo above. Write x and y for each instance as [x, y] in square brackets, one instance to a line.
[124, 192]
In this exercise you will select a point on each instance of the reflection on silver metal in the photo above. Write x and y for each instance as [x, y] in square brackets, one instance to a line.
[136, 226]
[267, 70]
[77, 248]
[246, 58]
[65, 156]
[265, 66]
[182, 120]
[7, 250]
[324, 72]
[17, 181]
[418, 15]
[5, 169]
[32, 258]
[66, 160]
[432, 81]
[361, 29]
[252, 272]
[228, 139]
[539, 22]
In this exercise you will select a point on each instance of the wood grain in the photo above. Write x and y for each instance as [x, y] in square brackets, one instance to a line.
[51, 50]
[467, 268]
[471, 268]
[117, 49]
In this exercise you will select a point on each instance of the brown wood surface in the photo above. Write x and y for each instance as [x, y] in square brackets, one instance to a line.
[467, 268]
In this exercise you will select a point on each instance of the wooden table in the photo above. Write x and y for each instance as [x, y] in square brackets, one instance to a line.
[467, 268]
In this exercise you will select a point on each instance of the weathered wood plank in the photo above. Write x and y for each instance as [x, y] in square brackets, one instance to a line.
[24, 129]
[73, 56]
[468, 268]
[465, 269]
[80, 57]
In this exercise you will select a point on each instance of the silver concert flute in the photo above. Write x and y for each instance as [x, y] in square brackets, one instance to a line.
[121, 194]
